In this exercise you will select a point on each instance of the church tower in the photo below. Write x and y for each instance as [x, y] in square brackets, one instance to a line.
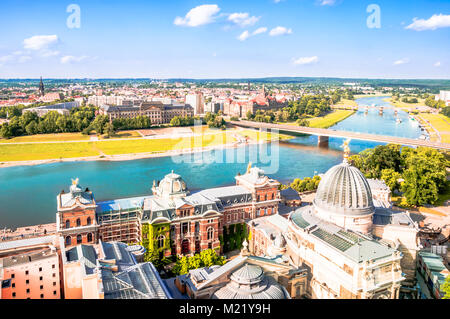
[41, 88]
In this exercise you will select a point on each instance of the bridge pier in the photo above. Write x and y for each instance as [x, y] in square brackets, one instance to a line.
[322, 141]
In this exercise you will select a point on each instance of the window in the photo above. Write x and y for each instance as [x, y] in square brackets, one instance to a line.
[13, 285]
[161, 239]
[210, 233]
[28, 290]
[40, 278]
[54, 275]
[68, 240]
[67, 223]
[53, 266]
[54, 283]
[42, 296]
[12, 276]
[27, 281]
[40, 268]
[54, 292]
[79, 239]
[26, 272]
[89, 237]
[88, 221]
[41, 287]
[14, 294]
[78, 222]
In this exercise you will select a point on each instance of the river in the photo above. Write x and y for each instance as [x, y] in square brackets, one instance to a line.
[28, 193]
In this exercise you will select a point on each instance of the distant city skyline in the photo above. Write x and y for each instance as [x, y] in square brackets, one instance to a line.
[225, 39]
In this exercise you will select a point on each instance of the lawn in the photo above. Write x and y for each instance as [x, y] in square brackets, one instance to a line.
[404, 105]
[41, 151]
[345, 102]
[441, 123]
[263, 136]
[330, 119]
[163, 145]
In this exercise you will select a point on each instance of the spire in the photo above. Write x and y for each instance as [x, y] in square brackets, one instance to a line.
[346, 150]
[41, 88]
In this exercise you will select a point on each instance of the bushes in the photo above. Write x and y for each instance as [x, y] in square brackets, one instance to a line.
[206, 258]
[306, 184]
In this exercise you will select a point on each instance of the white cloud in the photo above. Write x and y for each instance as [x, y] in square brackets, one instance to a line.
[198, 16]
[437, 64]
[401, 61]
[70, 58]
[259, 30]
[306, 60]
[327, 2]
[279, 31]
[433, 23]
[243, 19]
[244, 36]
[39, 42]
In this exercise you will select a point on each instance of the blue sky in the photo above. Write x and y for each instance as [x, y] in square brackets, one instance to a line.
[219, 39]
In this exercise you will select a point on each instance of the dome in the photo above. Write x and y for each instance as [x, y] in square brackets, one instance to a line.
[248, 274]
[249, 282]
[172, 184]
[344, 190]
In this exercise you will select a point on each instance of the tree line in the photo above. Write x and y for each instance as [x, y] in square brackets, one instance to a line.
[306, 106]
[420, 174]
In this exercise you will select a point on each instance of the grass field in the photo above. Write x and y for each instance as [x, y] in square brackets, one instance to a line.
[404, 105]
[345, 102]
[441, 123]
[265, 136]
[28, 152]
[330, 119]
[44, 151]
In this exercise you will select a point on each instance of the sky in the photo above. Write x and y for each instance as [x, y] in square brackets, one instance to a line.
[225, 39]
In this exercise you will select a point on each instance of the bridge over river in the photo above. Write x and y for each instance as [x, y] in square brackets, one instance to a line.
[324, 134]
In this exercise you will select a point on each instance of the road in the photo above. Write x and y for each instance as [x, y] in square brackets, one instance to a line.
[343, 134]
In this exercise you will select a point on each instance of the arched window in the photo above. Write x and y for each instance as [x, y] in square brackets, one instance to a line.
[79, 239]
[67, 223]
[89, 237]
[210, 233]
[68, 241]
[88, 221]
[161, 240]
[78, 222]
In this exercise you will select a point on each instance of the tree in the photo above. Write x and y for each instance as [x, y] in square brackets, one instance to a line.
[424, 176]
[446, 288]
[391, 177]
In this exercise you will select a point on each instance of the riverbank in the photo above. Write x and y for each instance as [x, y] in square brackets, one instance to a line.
[326, 121]
[330, 119]
[164, 147]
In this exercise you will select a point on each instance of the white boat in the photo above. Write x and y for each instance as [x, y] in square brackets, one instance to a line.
[398, 121]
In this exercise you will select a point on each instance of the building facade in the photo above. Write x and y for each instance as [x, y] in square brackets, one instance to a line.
[158, 112]
[171, 221]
